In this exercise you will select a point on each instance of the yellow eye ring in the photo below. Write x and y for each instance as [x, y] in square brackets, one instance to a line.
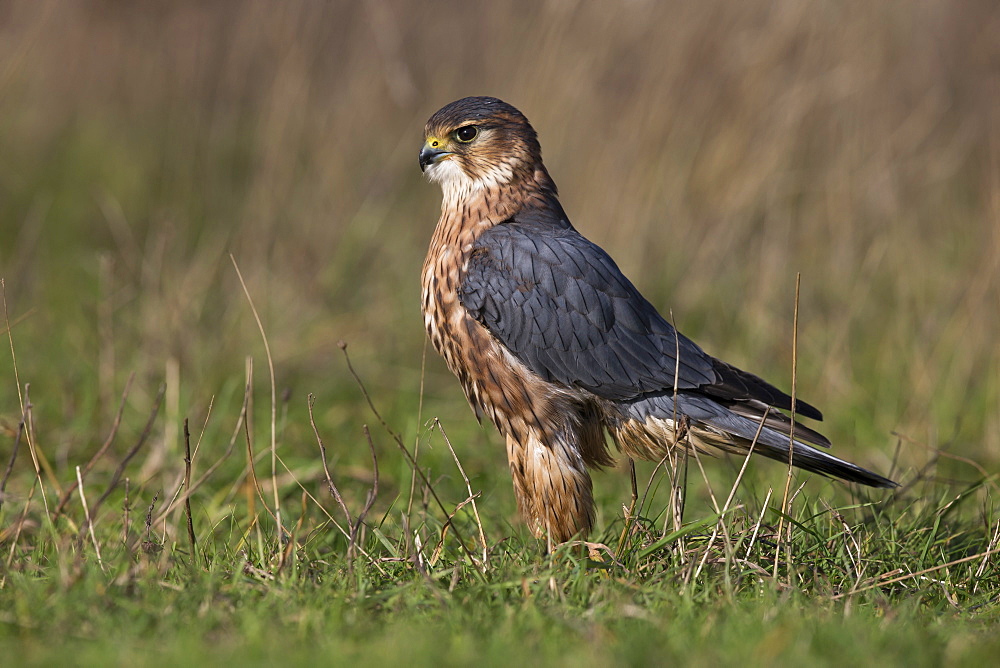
[466, 133]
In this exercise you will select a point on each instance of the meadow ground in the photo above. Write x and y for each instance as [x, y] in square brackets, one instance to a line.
[169, 172]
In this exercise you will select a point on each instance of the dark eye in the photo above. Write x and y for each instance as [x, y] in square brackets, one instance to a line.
[466, 134]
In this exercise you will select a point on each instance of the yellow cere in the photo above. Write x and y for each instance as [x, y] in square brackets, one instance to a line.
[434, 142]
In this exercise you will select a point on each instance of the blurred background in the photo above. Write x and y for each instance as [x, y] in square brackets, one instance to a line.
[715, 149]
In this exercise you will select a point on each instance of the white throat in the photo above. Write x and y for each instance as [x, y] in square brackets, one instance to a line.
[458, 187]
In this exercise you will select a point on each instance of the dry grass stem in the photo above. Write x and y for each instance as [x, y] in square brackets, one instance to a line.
[143, 150]
[88, 518]
[729, 499]
[677, 489]
[251, 470]
[992, 548]
[274, 402]
[785, 503]
[629, 511]
[756, 527]
[909, 576]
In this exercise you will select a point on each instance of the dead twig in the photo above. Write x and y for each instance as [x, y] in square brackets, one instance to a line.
[411, 460]
[909, 576]
[17, 531]
[311, 401]
[369, 499]
[187, 485]
[468, 486]
[149, 545]
[135, 448]
[13, 458]
[126, 509]
[180, 498]
[100, 452]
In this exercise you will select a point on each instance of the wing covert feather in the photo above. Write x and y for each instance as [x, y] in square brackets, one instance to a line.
[560, 304]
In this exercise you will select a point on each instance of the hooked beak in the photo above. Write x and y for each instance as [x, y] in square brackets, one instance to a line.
[429, 155]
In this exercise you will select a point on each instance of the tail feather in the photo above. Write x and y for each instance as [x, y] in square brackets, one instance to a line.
[778, 421]
[775, 445]
[733, 428]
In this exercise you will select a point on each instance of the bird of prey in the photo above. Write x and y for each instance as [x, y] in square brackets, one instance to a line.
[556, 347]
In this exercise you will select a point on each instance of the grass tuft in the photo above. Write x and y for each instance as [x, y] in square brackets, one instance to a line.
[718, 150]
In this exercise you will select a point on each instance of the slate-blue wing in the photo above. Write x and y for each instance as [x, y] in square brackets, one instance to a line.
[561, 305]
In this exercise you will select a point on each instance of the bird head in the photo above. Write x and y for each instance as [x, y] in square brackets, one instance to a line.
[479, 142]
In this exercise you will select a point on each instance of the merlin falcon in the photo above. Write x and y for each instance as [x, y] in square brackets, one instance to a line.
[556, 347]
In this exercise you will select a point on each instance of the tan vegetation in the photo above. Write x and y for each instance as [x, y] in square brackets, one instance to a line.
[714, 148]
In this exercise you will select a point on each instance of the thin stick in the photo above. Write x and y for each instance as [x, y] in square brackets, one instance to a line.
[629, 512]
[17, 533]
[36, 453]
[416, 440]
[274, 403]
[347, 535]
[22, 399]
[17, 321]
[451, 516]
[204, 426]
[13, 458]
[329, 517]
[756, 528]
[187, 485]
[746, 460]
[311, 401]
[677, 492]
[410, 459]
[649, 484]
[10, 338]
[876, 585]
[437, 499]
[86, 514]
[857, 563]
[248, 433]
[982, 566]
[180, 498]
[472, 497]
[369, 501]
[126, 508]
[135, 448]
[148, 544]
[785, 509]
[103, 449]
[181, 490]
[732, 493]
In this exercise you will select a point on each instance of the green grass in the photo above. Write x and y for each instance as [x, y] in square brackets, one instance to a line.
[716, 151]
